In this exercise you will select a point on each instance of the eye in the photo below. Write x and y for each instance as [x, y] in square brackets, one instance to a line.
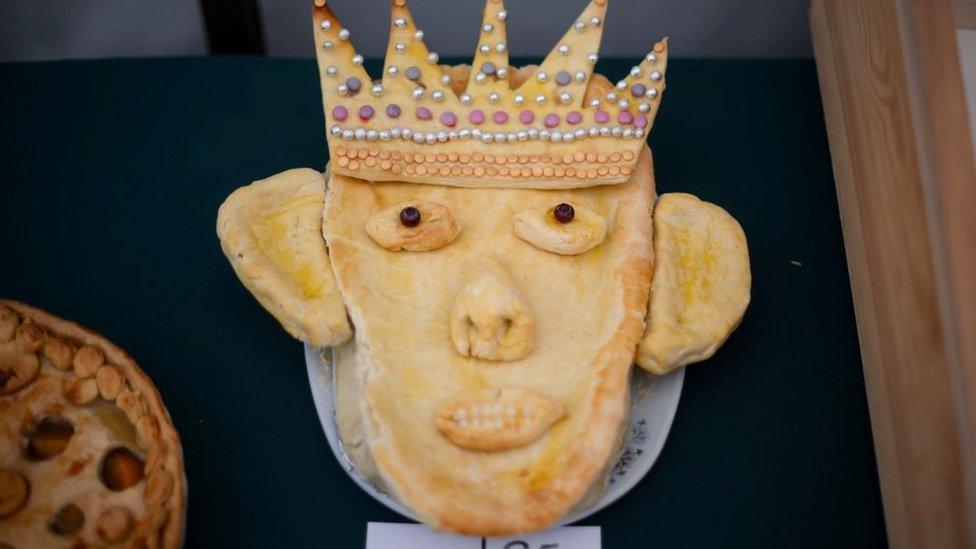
[564, 228]
[414, 226]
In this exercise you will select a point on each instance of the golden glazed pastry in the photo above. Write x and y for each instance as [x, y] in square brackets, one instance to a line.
[487, 257]
[88, 454]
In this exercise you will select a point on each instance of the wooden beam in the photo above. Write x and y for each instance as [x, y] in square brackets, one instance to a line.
[233, 27]
[908, 252]
[964, 13]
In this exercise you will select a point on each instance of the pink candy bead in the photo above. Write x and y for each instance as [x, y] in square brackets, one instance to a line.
[340, 113]
[625, 117]
[551, 120]
[641, 121]
[602, 117]
[574, 117]
[366, 112]
[500, 117]
[424, 113]
[449, 119]
[477, 116]
[526, 117]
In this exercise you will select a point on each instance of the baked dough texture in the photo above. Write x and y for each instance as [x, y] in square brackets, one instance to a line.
[588, 311]
[269, 230]
[701, 283]
[59, 486]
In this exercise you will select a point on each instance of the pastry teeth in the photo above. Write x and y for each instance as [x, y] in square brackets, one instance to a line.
[495, 419]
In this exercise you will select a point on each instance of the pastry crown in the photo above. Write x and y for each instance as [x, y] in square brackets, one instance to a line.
[554, 125]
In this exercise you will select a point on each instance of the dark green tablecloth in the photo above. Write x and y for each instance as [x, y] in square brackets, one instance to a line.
[111, 176]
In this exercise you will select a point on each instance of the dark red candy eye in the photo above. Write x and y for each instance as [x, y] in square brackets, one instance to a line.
[564, 213]
[410, 216]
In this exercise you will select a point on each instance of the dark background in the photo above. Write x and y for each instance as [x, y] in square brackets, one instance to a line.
[112, 175]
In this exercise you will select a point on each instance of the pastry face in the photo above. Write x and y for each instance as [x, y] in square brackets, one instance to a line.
[488, 231]
[493, 370]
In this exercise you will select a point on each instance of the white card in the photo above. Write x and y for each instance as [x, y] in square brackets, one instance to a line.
[386, 535]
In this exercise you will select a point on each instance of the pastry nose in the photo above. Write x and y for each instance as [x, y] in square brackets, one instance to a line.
[490, 318]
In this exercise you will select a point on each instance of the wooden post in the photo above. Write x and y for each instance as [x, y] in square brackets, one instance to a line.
[906, 183]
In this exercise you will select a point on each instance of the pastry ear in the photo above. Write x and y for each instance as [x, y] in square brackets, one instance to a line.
[701, 283]
[271, 231]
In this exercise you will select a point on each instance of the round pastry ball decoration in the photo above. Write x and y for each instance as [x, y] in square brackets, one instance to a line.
[88, 453]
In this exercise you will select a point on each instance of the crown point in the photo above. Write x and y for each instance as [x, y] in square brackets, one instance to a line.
[319, 3]
[400, 3]
[659, 47]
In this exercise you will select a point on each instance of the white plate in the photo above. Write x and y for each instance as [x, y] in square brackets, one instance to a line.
[654, 401]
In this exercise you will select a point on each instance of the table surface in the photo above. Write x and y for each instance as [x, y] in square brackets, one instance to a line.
[112, 175]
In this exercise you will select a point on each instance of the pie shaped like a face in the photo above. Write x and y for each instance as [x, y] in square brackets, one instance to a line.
[488, 379]
[88, 454]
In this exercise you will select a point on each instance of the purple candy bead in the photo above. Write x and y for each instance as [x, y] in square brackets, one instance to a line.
[625, 117]
[393, 111]
[477, 116]
[551, 120]
[449, 119]
[641, 121]
[424, 113]
[366, 112]
[638, 90]
[526, 117]
[602, 117]
[563, 78]
[489, 68]
[353, 84]
[574, 117]
[413, 73]
[340, 113]
[500, 117]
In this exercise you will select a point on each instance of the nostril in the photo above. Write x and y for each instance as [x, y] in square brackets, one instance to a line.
[490, 319]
